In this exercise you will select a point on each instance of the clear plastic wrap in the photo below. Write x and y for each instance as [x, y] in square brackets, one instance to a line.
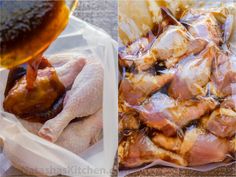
[177, 86]
[36, 156]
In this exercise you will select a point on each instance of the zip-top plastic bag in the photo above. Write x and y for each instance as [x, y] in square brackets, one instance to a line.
[34, 155]
[177, 85]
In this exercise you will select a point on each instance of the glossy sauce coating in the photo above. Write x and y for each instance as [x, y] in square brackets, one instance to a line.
[41, 103]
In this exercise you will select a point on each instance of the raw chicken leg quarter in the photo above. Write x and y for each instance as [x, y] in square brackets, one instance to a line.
[85, 77]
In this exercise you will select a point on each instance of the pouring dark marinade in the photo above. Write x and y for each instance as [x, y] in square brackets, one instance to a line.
[27, 29]
[180, 88]
[41, 103]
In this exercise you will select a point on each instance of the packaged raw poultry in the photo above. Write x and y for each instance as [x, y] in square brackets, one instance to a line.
[177, 100]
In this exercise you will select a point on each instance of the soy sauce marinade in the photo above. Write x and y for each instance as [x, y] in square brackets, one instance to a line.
[28, 27]
[36, 114]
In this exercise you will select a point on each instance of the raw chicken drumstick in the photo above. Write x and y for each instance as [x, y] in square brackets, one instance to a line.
[128, 121]
[138, 149]
[200, 148]
[229, 103]
[224, 75]
[204, 25]
[134, 54]
[87, 131]
[168, 115]
[222, 121]
[169, 143]
[174, 44]
[83, 99]
[167, 50]
[138, 52]
[191, 77]
[136, 87]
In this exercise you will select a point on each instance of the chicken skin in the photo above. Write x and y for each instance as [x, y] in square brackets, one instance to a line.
[154, 113]
[169, 143]
[174, 44]
[135, 88]
[222, 121]
[203, 25]
[23, 103]
[200, 148]
[145, 61]
[233, 146]
[197, 146]
[229, 103]
[128, 121]
[78, 135]
[138, 149]
[224, 75]
[87, 88]
[135, 54]
[67, 66]
[192, 76]
[167, 115]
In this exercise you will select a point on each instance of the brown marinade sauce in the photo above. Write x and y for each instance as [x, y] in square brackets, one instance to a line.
[28, 27]
[15, 75]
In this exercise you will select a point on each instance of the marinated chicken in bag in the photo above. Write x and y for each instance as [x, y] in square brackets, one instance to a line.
[177, 90]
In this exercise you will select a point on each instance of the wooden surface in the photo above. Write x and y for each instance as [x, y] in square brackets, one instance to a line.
[229, 171]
